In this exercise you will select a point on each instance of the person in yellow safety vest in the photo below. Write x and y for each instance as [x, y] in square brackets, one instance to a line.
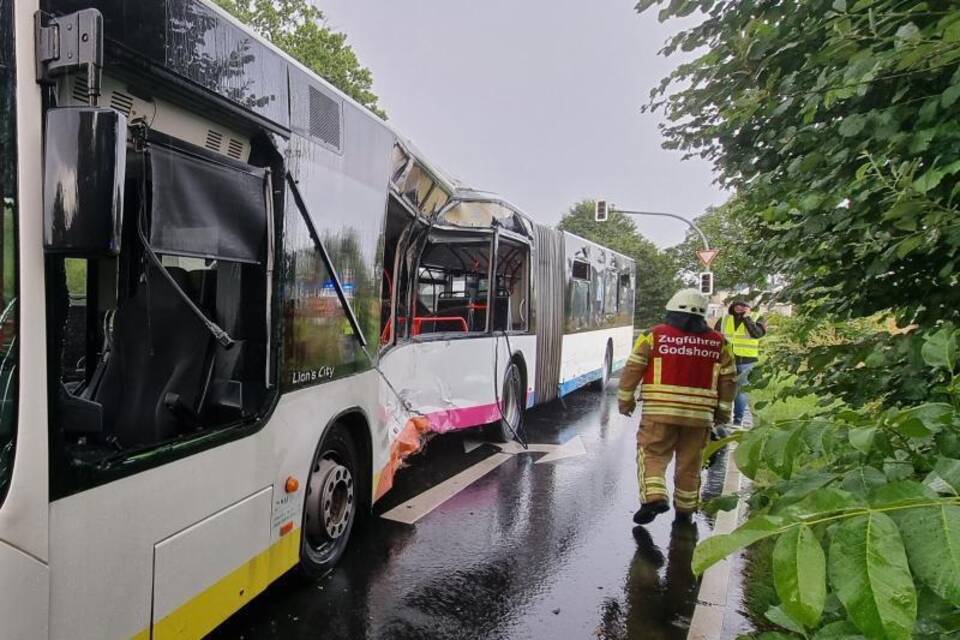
[687, 379]
[744, 333]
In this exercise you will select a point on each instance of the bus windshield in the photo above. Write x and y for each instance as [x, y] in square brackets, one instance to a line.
[8, 270]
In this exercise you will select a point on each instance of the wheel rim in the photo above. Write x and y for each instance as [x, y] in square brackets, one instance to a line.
[330, 504]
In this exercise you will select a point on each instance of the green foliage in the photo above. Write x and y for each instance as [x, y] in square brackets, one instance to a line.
[865, 361]
[836, 122]
[863, 505]
[800, 575]
[739, 264]
[297, 27]
[656, 274]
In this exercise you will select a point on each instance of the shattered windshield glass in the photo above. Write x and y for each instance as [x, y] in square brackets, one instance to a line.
[8, 271]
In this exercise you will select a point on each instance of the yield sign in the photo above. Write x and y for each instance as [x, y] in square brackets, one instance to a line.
[707, 255]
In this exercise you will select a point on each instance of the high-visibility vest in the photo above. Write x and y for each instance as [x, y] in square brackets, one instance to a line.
[744, 345]
[681, 377]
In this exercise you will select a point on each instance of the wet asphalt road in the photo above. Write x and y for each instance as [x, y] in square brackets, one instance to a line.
[528, 551]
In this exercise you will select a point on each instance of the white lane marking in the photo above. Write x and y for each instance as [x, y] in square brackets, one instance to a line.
[415, 508]
[569, 449]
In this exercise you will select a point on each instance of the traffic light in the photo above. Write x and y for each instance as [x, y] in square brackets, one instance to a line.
[600, 211]
[706, 283]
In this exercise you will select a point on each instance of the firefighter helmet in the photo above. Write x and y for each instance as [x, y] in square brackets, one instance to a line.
[689, 301]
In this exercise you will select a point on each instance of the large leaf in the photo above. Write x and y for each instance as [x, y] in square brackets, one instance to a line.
[861, 438]
[923, 421]
[826, 500]
[940, 348]
[747, 454]
[863, 480]
[781, 618]
[870, 575]
[932, 539]
[945, 477]
[841, 630]
[716, 548]
[780, 450]
[800, 575]
[901, 492]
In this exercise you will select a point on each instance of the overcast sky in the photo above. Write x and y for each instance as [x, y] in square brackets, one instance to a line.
[538, 100]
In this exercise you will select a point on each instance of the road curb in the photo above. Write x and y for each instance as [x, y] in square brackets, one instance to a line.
[707, 621]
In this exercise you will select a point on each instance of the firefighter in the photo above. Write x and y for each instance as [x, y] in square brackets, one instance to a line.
[687, 379]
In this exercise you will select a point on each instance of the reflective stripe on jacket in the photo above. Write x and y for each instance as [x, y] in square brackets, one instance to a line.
[687, 378]
[744, 345]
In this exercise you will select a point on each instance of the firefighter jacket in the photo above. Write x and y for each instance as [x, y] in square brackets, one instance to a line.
[685, 378]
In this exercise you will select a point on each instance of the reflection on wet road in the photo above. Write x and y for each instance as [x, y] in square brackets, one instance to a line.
[527, 551]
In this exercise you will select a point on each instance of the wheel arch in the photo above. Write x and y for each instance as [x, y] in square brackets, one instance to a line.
[357, 423]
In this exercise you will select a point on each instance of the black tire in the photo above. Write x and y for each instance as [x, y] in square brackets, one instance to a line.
[606, 371]
[331, 503]
[512, 404]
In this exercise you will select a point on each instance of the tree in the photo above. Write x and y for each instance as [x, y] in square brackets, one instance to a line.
[656, 271]
[296, 27]
[741, 262]
[837, 123]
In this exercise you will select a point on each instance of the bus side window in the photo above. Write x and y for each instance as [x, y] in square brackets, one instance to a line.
[452, 287]
[578, 316]
[511, 303]
[132, 337]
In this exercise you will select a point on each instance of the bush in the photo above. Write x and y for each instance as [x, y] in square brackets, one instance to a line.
[864, 508]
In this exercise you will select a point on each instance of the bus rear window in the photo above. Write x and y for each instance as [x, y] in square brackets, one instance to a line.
[8, 257]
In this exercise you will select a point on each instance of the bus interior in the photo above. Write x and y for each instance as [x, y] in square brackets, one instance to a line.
[171, 338]
[451, 293]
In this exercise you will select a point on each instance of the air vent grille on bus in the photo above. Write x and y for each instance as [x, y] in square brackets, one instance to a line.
[324, 118]
[121, 102]
[235, 149]
[214, 140]
[79, 92]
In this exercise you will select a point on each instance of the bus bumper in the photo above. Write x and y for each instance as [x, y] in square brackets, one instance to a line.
[25, 603]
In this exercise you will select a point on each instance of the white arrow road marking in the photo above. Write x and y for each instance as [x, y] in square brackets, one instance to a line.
[417, 507]
[472, 445]
[569, 449]
[515, 448]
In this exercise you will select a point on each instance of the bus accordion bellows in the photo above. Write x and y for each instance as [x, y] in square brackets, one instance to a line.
[233, 302]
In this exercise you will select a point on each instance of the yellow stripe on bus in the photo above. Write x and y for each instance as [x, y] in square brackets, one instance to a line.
[201, 614]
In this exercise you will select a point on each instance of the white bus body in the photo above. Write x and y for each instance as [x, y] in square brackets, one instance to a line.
[121, 518]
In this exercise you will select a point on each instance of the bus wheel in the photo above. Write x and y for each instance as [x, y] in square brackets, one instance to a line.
[511, 405]
[330, 508]
[606, 371]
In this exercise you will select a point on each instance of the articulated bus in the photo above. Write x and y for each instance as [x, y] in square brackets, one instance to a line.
[233, 301]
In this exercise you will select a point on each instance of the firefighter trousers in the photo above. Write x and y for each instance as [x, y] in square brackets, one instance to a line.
[657, 442]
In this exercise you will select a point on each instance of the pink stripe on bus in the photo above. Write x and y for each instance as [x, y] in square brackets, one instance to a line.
[449, 420]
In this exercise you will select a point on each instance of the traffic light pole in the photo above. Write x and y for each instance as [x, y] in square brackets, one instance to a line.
[703, 237]
[706, 277]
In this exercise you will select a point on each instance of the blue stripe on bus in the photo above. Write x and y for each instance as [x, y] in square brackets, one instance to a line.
[573, 384]
[619, 364]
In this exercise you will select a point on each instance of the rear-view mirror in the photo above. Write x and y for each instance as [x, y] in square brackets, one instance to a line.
[84, 169]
